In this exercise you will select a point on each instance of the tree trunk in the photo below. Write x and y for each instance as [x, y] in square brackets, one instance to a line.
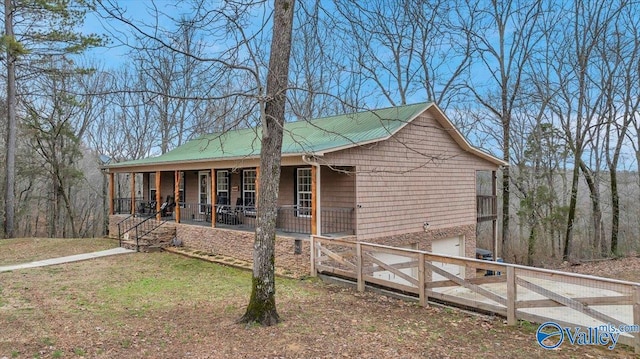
[505, 209]
[598, 240]
[531, 243]
[506, 184]
[615, 213]
[572, 212]
[10, 196]
[262, 304]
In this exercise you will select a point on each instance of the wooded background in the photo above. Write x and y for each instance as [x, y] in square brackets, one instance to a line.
[553, 88]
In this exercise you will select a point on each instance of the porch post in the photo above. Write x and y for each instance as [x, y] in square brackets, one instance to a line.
[214, 200]
[133, 193]
[176, 185]
[317, 189]
[314, 199]
[111, 192]
[158, 196]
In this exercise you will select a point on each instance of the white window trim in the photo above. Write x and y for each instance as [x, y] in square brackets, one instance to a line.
[219, 175]
[152, 186]
[299, 212]
[245, 183]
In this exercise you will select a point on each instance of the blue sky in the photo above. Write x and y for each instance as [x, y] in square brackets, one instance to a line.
[140, 11]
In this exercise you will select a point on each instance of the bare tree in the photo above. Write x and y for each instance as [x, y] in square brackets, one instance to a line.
[13, 49]
[262, 304]
[505, 36]
[35, 32]
[317, 64]
[621, 55]
[578, 104]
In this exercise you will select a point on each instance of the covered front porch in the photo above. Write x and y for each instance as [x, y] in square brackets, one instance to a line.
[313, 199]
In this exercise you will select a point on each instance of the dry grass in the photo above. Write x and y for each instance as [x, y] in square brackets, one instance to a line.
[163, 305]
[21, 250]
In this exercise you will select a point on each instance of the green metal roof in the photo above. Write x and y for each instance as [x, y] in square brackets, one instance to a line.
[302, 137]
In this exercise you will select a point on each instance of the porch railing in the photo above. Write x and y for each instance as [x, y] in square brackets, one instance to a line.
[133, 228]
[122, 205]
[291, 219]
[487, 208]
[338, 220]
[334, 220]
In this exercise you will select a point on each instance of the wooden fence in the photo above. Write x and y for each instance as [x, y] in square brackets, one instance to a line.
[514, 291]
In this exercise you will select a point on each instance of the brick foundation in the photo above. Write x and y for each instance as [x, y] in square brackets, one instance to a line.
[239, 244]
[236, 244]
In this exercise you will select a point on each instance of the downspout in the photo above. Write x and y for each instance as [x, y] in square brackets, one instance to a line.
[310, 160]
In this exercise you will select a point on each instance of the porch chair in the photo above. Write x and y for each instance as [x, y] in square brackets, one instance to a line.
[146, 208]
[168, 206]
[249, 208]
[227, 215]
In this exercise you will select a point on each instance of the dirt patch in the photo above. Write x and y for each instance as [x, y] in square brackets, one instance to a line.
[623, 268]
[161, 305]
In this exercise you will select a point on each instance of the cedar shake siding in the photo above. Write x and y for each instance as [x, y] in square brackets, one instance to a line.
[419, 174]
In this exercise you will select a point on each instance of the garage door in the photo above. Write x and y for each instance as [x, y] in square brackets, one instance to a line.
[453, 246]
[395, 259]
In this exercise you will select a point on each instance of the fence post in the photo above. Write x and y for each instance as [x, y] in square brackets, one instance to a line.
[511, 296]
[636, 318]
[312, 256]
[359, 267]
[421, 282]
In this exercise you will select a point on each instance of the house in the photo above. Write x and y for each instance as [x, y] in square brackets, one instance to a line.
[401, 175]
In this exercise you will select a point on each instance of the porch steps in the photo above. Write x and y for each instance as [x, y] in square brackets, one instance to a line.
[152, 242]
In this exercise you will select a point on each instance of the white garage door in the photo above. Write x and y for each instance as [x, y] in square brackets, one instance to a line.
[453, 246]
[395, 259]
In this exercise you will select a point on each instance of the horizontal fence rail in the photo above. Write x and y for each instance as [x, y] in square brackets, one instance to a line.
[517, 293]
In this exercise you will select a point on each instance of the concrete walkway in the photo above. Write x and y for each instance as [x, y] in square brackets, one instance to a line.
[67, 259]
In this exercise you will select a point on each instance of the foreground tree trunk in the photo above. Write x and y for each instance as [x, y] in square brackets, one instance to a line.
[262, 304]
[10, 196]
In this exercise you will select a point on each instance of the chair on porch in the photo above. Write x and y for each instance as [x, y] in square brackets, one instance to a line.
[147, 208]
[249, 208]
[224, 213]
[168, 206]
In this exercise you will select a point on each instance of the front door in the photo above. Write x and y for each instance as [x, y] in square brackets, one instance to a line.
[204, 192]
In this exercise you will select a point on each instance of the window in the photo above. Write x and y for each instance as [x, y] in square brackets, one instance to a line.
[303, 190]
[152, 186]
[249, 187]
[222, 187]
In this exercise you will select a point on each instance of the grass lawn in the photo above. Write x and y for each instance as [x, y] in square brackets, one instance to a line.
[162, 305]
[21, 250]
